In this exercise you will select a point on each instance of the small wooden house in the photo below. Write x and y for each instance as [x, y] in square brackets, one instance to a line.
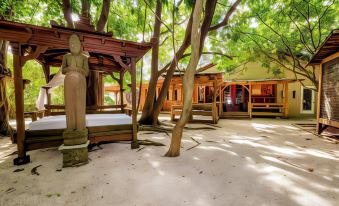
[327, 57]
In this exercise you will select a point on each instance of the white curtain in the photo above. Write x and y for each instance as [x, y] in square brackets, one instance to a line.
[56, 81]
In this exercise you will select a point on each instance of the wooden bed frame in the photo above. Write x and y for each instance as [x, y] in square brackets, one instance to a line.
[39, 139]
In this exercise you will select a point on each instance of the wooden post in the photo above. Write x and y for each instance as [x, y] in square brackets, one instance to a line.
[101, 90]
[19, 106]
[121, 83]
[214, 105]
[250, 101]
[220, 101]
[285, 99]
[135, 143]
[319, 97]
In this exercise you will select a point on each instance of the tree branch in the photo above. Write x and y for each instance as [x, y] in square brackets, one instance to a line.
[104, 15]
[229, 13]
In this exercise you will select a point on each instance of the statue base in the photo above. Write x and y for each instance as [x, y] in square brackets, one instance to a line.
[75, 155]
[75, 137]
[22, 160]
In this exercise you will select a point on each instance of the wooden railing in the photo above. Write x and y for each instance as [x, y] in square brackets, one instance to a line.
[204, 109]
[267, 109]
[100, 109]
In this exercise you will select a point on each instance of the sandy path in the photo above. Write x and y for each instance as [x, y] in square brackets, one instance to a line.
[245, 162]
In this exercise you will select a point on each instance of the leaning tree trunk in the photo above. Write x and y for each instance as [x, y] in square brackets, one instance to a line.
[146, 117]
[5, 128]
[67, 10]
[154, 114]
[188, 81]
[209, 12]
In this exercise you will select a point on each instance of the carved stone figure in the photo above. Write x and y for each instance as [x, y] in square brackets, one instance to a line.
[75, 68]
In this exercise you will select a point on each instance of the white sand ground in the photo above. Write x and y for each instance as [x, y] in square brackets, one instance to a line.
[259, 162]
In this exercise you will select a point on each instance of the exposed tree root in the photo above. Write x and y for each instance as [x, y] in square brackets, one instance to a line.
[141, 142]
[198, 143]
[199, 128]
[150, 143]
[141, 149]
[34, 170]
[212, 141]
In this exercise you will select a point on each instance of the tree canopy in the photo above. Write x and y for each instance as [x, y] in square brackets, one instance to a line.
[280, 34]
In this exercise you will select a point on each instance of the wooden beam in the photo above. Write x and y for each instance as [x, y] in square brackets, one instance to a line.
[19, 108]
[135, 143]
[329, 122]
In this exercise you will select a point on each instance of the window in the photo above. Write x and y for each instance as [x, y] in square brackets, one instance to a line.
[175, 94]
[307, 100]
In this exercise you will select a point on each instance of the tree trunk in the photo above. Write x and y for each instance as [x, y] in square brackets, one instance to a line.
[85, 8]
[5, 128]
[146, 117]
[210, 8]
[67, 9]
[104, 15]
[188, 82]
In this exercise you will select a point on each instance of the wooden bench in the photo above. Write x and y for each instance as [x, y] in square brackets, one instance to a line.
[267, 109]
[206, 109]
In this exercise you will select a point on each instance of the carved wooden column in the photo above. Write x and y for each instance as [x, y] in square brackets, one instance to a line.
[121, 83]
[19, 105]
[135, 143]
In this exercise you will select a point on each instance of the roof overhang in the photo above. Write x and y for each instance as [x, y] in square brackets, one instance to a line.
[101, 46]
[262, 81]
[328, 47]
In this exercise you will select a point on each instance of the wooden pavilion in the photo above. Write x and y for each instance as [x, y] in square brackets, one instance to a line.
[47, 46]
[327, 57]
[205, 94]
[247, 98]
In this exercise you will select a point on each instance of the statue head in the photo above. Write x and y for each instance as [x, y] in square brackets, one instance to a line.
[74, 44]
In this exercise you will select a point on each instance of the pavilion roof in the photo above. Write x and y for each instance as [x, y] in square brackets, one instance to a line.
[329, 47]
[106, 53]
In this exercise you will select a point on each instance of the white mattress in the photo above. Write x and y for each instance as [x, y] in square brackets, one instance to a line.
[59, 122]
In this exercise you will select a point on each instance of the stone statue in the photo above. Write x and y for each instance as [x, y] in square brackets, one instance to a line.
[75, 68]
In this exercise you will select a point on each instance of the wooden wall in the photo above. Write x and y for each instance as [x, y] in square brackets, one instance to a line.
[329, 102]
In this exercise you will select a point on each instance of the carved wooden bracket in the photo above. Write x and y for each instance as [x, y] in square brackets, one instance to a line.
[122, 64]
[34, 55]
